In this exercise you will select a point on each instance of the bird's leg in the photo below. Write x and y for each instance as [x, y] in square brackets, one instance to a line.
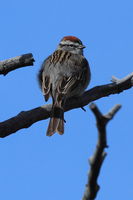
[83, 109]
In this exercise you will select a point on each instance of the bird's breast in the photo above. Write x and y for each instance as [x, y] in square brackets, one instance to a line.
[60, 56]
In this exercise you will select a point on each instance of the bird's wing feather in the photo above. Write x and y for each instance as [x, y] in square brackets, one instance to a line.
[44, 79]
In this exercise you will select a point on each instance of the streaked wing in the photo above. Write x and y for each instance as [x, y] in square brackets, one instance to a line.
[44, 79]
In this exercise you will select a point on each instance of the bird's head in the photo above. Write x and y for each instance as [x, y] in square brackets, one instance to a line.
[72, 44]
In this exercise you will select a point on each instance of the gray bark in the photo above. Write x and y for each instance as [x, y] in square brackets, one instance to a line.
[17, 62]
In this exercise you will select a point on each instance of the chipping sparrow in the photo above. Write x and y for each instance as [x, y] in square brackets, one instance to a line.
[63, 74]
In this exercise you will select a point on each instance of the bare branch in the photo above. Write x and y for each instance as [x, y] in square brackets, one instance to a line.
[99, 155]
[15, 63]
[27, 118]
[24, 119]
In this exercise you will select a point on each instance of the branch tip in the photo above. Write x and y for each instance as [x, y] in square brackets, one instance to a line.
[113, 111]
[129, 77]
[16, 62]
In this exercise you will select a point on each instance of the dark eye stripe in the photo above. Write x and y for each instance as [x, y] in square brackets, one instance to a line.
[69, 45]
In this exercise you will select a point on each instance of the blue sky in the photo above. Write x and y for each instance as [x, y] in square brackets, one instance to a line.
[32, 165]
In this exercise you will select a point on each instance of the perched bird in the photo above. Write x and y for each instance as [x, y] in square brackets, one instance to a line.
[64, 74]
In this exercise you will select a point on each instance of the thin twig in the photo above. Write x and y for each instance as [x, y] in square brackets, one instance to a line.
[15, 63]
[99, 155]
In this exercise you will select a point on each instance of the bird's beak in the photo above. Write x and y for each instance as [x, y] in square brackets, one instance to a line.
[82, 47]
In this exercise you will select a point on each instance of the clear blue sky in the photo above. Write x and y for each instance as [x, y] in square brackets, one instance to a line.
[33, 166]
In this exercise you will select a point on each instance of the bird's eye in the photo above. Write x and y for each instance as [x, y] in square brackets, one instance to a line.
[70, 45]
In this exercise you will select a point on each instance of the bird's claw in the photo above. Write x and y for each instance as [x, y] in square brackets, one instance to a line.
[83, 109]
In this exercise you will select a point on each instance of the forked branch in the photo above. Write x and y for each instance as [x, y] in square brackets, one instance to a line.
[99, 155]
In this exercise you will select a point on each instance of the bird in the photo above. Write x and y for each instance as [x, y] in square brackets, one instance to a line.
[63, 74]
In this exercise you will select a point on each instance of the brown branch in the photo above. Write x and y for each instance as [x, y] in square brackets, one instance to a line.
[99, 155]
[26, 118]
[15, 63]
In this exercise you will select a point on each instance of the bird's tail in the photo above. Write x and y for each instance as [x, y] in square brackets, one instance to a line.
[56, 123]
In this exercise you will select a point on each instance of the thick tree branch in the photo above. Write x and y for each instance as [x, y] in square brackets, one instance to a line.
[16, 62]
[27, 118]
[99, 155]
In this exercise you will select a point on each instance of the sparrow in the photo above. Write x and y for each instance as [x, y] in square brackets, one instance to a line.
[64, 74]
